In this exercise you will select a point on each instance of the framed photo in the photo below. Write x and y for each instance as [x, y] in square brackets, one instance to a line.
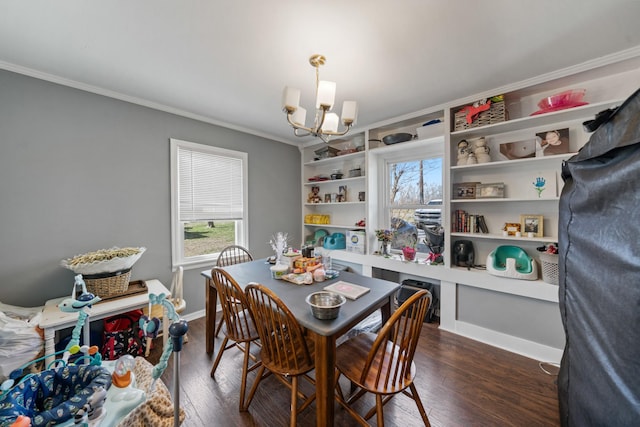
[511, 228]
[532, 224]
[552, 142]
[327, 197]
[489, 191]
[464, 190]
[342, 193]
[518, 150]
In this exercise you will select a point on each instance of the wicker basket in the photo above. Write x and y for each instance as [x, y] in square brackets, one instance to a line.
[107, 285]
[495, 114]
[549, 268]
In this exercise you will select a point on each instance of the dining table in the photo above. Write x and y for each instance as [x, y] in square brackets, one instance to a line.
[324, 332]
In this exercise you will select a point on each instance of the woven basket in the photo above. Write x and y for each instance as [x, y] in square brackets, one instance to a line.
[549, 268]
[495, 114]
[107, 285]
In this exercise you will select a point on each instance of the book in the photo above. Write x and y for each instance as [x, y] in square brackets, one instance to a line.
[483, 224]
[349, 290]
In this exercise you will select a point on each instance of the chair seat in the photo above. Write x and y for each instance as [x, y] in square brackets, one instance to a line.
[351, 357]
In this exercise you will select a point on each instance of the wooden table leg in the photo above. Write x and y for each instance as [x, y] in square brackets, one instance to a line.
[385, 310]
[211, 296]
[325, 359]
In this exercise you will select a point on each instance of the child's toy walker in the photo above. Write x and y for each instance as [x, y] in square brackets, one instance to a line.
[91, 392]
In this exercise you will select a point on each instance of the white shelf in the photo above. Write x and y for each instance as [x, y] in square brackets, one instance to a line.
[350, 227]
[504, 200]
[335, 204]
[336, 159]
[490, 236]
[333, 181]
[515, 162]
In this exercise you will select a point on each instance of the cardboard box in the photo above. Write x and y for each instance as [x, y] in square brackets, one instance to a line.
[357, 241]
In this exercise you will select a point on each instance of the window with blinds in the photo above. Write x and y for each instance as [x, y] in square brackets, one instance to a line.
[208, 191]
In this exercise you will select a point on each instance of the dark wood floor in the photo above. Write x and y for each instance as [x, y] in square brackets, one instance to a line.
[461, 382]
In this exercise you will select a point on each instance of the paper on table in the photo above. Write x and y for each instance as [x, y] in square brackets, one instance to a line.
[349, 290]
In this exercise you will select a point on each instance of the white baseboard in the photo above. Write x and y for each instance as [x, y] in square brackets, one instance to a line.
[195, 315]
[510, 343]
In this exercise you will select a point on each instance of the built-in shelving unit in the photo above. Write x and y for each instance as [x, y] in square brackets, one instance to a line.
[497, 310]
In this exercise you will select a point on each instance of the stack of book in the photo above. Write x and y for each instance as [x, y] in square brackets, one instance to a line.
[464, 222]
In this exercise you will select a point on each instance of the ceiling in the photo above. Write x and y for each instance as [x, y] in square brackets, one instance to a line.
[227, 61]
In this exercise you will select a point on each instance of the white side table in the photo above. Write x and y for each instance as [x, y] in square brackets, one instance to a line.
[54, 320]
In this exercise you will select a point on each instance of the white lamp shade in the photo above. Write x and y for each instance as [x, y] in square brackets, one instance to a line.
[326, 94]
[299, 116]
[290, 98]
[349, 111]
[330, 123]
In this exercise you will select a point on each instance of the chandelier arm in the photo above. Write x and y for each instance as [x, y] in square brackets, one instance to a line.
[338, 133]
[296, 127]
[296, 132]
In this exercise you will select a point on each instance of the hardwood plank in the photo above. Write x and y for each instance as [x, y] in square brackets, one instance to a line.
[461, 382]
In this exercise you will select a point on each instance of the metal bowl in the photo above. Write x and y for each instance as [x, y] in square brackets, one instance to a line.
[325, 305]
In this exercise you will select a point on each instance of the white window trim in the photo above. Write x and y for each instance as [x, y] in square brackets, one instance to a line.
[177, 231]
[427, 150]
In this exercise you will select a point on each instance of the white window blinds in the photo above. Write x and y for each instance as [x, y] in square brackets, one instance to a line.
[210, 186]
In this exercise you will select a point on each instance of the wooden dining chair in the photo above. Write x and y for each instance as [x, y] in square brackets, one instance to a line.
[285, 351]
[238, 326]
[382, 364]
[230, 255]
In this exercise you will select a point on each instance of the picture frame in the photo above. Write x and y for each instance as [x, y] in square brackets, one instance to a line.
[517, 150]
[490, 191]
[531, 223]
[552, 142]
[342, 193]
[511, 228]
[464, 190]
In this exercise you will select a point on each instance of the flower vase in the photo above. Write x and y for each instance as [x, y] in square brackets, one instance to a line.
[409, 253]
[385, 248]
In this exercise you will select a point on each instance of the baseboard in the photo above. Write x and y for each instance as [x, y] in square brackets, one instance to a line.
[510, 343]
[195, 315]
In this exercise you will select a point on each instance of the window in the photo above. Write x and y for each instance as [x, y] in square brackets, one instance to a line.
[208, 202]
[413, 196]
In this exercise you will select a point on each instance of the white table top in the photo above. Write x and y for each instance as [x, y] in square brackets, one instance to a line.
[52, 317]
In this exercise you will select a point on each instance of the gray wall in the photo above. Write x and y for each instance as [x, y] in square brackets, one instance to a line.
[81, 172]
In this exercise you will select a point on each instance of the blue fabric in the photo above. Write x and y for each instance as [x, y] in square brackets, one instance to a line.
[53, 396]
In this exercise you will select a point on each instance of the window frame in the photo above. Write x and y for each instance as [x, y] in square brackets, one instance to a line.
[428, 150]
[177, 228]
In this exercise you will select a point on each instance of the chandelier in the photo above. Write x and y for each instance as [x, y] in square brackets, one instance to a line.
[325, 124]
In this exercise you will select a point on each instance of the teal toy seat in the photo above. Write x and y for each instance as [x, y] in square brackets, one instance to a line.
[512, 261]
